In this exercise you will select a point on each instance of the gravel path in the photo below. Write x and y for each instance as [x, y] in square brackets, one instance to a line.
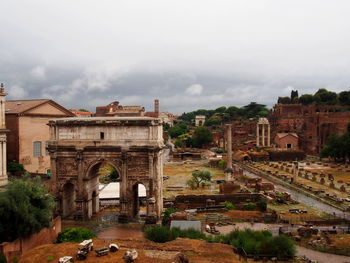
[321, 257]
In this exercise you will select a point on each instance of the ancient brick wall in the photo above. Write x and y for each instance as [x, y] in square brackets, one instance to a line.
[312, 123]
[19, 246]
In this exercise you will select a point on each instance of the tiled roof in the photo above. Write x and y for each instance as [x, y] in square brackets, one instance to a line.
[20, 106]
[281, 135]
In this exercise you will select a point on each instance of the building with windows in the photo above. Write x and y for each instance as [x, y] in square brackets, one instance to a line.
[28, 135]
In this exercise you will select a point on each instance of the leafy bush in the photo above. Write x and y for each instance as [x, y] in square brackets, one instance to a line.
[13, 167]
[162, 234]
[198, 178]
[166, 216]
[15, 259]
[261, 242]
[249, 206]
[50, 258]
[159, 234]
[221, 164]
[3, 258]
[25, 208]
[229, 206]
[75, 234]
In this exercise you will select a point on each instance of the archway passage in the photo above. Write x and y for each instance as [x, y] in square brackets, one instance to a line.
[68, 200]
[78, 152]
[139, 201]
[103, 187]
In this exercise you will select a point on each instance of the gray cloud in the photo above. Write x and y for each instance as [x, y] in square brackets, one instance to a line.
[192, 54]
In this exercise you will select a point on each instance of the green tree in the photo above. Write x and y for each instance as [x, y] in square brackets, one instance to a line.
[306, 99]
[199, 178]
[294, 96]
[178, 129]
[284, 100]
[344, 98]
[202, 136]
[325, 97]
[25, 208]
[335, 147]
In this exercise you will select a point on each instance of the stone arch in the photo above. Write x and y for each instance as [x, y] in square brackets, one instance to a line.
[94, 166]
[133, 146]
[92, 184]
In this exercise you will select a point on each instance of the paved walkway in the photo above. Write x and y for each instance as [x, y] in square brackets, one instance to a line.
[321, 257]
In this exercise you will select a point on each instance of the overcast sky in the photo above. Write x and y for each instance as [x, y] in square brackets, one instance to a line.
[190, 54]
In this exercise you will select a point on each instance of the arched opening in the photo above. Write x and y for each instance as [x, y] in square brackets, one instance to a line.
[139, 201]
[103, 188]
[68, 200]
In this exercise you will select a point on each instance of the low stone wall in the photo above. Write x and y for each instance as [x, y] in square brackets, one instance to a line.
[197, 201]
[19, 246]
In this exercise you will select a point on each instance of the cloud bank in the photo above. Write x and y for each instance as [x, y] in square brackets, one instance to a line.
[189, 54]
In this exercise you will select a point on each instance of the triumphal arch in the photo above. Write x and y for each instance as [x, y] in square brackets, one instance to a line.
[132, 145]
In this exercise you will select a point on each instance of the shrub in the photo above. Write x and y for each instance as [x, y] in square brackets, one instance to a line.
[261, 242]
[50, 258]
[221, 164]
[75, 234]
[229, 206]
[249, 206]
[15, 259]
[166, 216]
[13, 167]
[3, 258]
[159, 234]
[162, 234]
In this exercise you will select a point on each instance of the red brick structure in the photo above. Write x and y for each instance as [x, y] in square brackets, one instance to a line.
[286, 140]
[117, 110]
[312, 123]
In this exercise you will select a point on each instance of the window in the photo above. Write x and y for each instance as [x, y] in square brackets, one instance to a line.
[37, 148]
[102, 135]
[46, 148]
[289, 145]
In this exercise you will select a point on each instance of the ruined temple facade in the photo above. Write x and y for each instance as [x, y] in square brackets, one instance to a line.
[132, 145]
[312, 123]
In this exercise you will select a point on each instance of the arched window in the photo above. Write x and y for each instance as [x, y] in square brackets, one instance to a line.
[37, 149]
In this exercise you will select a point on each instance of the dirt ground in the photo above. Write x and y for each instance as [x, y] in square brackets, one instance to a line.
[312, 214]
[149, 252]
[179, 173]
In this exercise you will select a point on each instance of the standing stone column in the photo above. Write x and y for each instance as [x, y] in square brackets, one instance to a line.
[263, 135]
[3, 131]
[257, 135]
[229, 146]
[268, 136]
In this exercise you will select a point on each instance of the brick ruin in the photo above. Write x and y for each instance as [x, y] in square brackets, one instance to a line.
[79, 146]
[312, 123]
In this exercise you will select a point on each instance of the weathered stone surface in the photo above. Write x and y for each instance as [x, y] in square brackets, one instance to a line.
[79, 146]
